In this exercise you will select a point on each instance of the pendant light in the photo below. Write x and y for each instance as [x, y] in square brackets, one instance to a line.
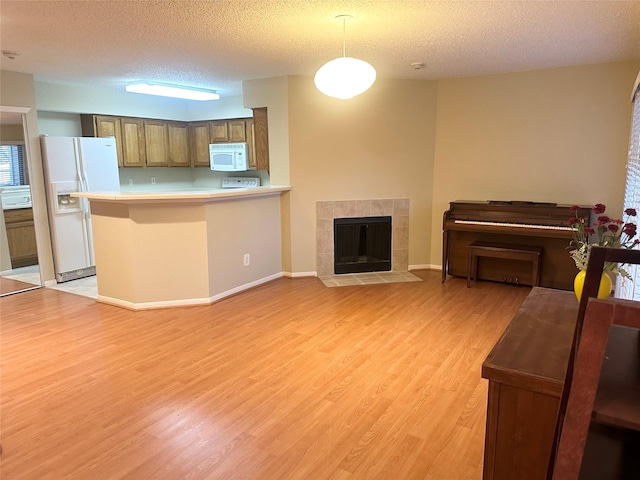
[344, 77]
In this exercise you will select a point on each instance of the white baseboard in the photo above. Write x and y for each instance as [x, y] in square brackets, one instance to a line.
[299, 274]
[425, 267]
[187, 301]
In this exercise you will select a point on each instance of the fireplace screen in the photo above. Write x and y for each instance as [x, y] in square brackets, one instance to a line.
[362, 244]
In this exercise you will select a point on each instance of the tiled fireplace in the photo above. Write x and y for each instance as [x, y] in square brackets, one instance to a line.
[326, 212]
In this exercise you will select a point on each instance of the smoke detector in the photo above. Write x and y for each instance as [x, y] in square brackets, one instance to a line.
[10, 55]
[417, 65]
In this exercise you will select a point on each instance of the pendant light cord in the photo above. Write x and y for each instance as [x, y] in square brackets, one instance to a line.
[344, 36]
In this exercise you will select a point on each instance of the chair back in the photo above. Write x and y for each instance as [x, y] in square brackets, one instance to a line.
[597, 258]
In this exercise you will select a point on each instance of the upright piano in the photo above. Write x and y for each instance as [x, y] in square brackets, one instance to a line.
[539, 224]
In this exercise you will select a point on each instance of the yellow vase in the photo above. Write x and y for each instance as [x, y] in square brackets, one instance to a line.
[605, 285]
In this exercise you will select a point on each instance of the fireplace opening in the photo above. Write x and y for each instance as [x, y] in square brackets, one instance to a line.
[362, 244]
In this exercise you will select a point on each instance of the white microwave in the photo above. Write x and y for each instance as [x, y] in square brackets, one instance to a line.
[228, 157]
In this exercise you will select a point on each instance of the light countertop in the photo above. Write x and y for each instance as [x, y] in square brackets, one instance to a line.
[180, 196]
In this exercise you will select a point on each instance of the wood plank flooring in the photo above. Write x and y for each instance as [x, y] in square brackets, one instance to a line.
[9, 285]
[290, 380]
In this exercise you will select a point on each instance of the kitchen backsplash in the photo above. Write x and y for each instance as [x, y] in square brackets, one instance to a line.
[165, 179]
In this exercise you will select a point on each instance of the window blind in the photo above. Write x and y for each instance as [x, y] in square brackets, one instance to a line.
[627, 289]
[12, 168]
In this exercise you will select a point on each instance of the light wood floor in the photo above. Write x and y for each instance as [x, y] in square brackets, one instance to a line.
[291, 380]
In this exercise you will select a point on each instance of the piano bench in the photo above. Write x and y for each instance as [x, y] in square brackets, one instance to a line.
[503, 250]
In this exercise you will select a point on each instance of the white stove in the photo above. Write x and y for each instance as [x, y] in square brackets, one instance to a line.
[240, 182]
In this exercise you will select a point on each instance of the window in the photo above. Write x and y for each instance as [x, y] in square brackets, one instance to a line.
[12, 165]
[627, 289]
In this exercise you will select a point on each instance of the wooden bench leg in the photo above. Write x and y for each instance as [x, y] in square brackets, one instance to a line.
[535, 279]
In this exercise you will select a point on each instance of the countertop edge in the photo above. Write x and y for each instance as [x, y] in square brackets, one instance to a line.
[180, 196]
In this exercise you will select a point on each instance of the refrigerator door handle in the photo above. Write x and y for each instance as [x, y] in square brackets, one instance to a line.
[86, 215]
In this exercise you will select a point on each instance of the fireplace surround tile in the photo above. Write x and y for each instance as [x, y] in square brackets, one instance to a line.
[326, 211]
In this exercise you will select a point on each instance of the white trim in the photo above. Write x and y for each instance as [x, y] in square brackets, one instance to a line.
[8, 109]
[424, 267]
[187, 301]
[299, 274]
[636, 84]
[50, 283]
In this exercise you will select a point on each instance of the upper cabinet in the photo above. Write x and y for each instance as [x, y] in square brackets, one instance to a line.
[179, 155]
[134, 151]
[261, 138]
[200, 140]
[103, 126]
[143, 142]
[219, 131]
[156, 143]
[237, 130]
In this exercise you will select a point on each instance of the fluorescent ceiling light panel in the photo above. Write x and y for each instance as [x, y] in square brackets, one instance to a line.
[169, 91]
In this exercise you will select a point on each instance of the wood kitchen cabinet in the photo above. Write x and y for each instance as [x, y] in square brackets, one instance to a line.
[134, 152]
[104, 126]
[144, 142]
[237, 130]
[128, 132]
[179, 155]
[199, 133]
[21, 236]
[156, 143]
[225, 131]
[218, 131]
[251, 144]
[261, 138]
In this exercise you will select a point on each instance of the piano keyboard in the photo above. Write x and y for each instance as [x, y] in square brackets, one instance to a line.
[516, 225]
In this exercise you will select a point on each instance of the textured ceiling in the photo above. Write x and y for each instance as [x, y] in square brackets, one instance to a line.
[217, 44]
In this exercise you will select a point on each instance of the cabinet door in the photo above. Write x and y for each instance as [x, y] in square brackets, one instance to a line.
[133, 142]
[218, 131]
[261, 138]
[178, 144]
[237, 132]
[21, 237]
[156, 143]
[199, 133]
[251, 144]
[110, 127]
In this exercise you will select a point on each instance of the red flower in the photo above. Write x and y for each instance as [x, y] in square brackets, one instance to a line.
[602, 219]
[631, 212]
[573, 220]
[599, 208]
[589, 231]
[630, 229]
[612, 227]
[574, 208]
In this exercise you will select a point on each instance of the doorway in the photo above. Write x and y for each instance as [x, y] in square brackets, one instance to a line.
[19, 268]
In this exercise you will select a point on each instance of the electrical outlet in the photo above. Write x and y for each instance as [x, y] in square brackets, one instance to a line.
[153, 180]
[131, 182]
[247, 260]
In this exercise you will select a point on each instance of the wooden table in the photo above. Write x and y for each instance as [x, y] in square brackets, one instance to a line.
[526, 370]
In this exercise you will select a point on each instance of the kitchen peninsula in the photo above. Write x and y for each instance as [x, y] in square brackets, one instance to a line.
[191, 247]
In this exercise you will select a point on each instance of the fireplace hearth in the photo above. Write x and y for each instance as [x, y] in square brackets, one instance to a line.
[362, 244]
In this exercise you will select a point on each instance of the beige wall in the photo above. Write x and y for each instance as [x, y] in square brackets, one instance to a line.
[374, 146]
[558, 135]
[16, 90]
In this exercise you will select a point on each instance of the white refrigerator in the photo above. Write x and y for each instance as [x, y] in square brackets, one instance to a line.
[75, 164]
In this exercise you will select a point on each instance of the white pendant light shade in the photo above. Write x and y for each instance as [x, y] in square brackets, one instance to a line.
[345, 77]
